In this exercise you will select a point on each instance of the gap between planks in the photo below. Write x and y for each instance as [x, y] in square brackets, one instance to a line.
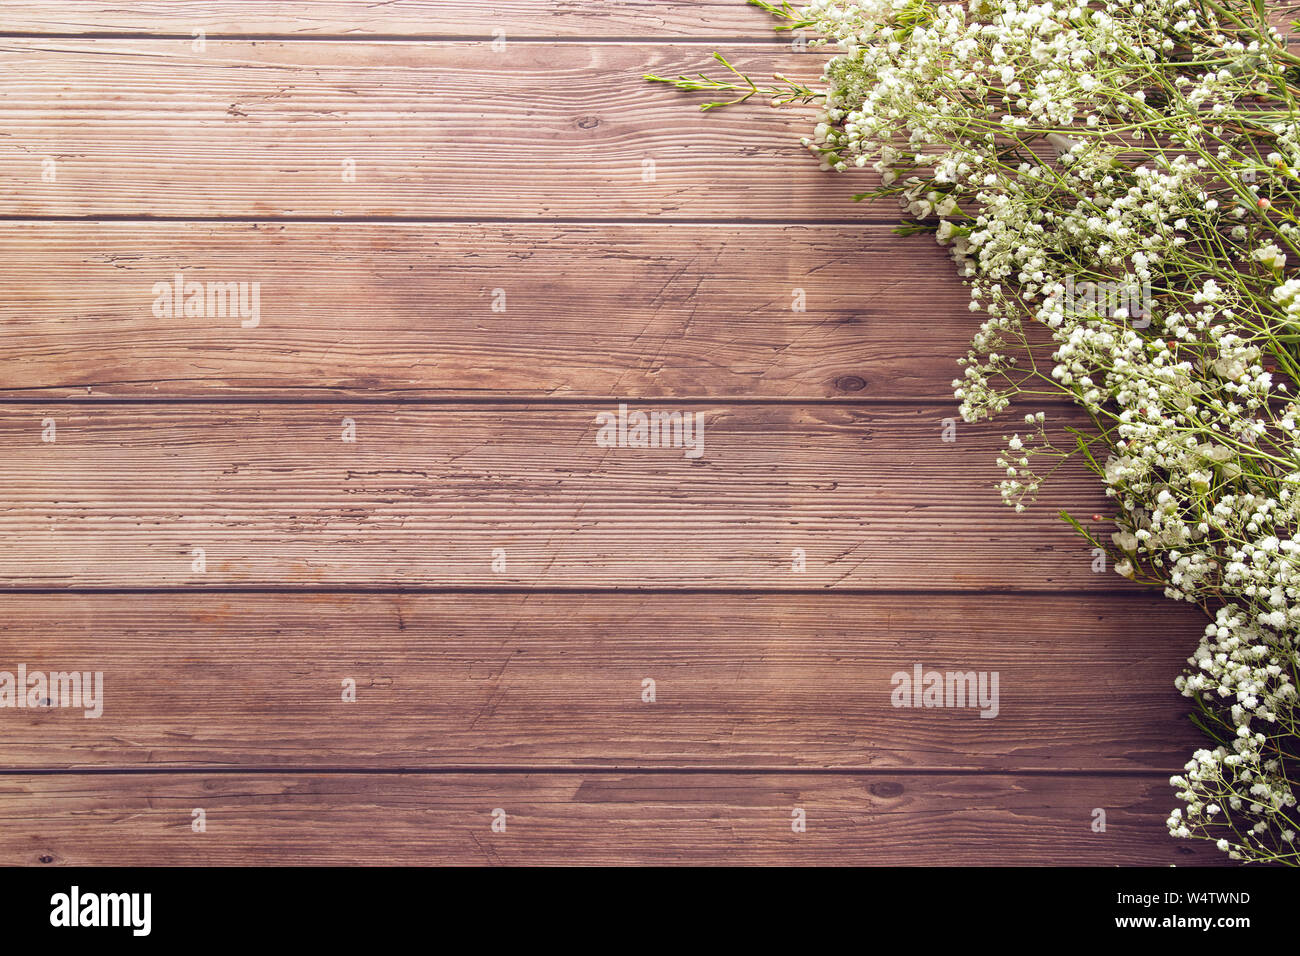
[390, 38]
[477, 770]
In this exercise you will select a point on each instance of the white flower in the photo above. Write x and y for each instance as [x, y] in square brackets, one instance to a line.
[1270, 255]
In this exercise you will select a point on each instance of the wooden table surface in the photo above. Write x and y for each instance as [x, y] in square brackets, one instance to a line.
[475, 228]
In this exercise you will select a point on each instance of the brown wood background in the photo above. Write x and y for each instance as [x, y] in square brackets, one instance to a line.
[520, 169]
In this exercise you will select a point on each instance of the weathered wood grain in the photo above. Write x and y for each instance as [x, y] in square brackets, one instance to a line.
[873, 495]
[591, 311]
[587, 818]
[458, 680]
[450, 129]
[578, 19]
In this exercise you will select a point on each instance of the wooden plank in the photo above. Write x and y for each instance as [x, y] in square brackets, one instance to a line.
[591, 311]
[425, 496]
[579, 19]
[447, 129]
[556, 680]
[588, 818]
